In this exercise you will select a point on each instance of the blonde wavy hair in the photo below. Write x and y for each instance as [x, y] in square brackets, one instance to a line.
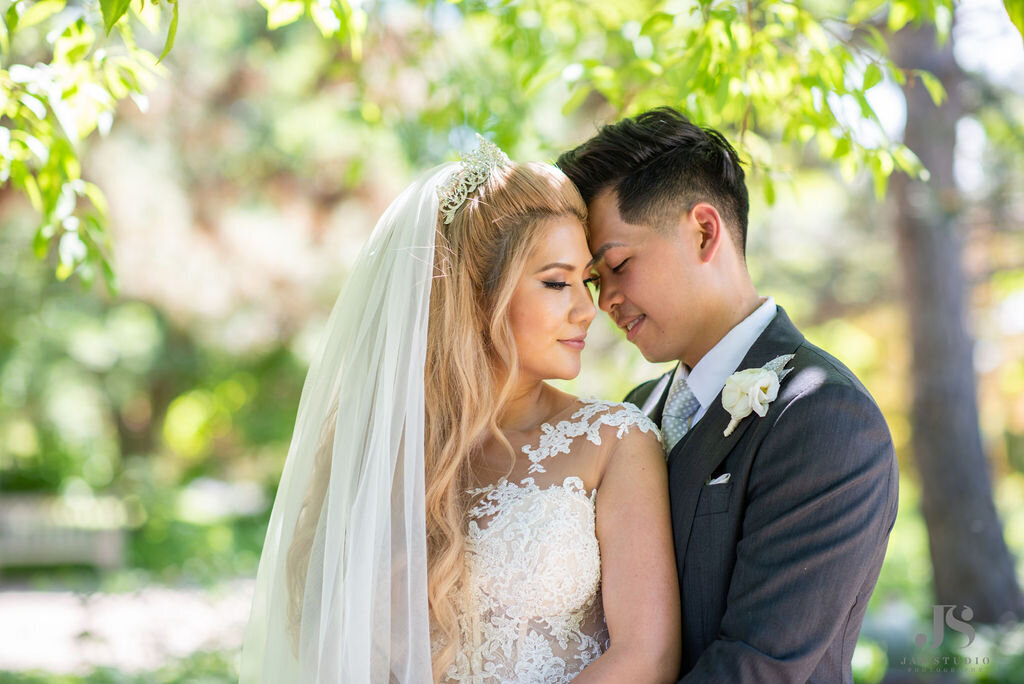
[471, 370]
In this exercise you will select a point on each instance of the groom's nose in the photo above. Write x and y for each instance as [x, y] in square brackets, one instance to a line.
[609, 298]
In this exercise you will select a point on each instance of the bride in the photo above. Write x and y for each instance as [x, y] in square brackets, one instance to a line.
[444, 514]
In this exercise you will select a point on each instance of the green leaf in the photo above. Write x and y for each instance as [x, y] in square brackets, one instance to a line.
[356, 28]
[907, 161]
[41, 242]
[898, 74]
[97, 198]
[934, 86]
[1015, 8]
[876, 41]
[11, 17]
[112, 11]
[863, 9]
[842, 148]
[785, 12]
[325, 18]
[34, 195]
[71, 49]
[880, 180]
[576, 99]
[171, 32]
[109, 277]
[650, 67]
[657, 23]
[41, 11]
[64, 271]
[872, 76]
[283, 13]
[899, 14]
[943, 23]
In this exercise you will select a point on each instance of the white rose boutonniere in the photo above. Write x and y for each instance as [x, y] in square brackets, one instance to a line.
[751, 390]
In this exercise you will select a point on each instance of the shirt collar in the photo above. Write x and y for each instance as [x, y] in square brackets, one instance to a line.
[708, 377]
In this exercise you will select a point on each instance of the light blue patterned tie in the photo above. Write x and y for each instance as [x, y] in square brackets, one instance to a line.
[680, 407]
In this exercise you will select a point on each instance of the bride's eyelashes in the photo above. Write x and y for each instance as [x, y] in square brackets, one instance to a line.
[618, 269]
[561, 285]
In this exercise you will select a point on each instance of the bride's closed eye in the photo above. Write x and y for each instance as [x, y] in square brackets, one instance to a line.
[561, 284]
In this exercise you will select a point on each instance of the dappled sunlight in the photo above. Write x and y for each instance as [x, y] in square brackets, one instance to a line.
[74, 633]
[143, 433]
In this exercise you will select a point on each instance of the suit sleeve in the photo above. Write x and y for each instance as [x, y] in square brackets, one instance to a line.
[821, 500]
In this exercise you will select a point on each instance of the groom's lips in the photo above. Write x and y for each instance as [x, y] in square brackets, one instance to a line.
[632, 326]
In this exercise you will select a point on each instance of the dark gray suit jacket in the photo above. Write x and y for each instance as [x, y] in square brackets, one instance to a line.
[776, 567]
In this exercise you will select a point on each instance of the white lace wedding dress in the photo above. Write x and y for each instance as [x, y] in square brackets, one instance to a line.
[535, 614]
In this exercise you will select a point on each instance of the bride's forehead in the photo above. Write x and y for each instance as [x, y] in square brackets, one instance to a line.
[563, 236]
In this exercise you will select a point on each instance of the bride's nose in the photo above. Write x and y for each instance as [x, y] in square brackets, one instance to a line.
[583, 309]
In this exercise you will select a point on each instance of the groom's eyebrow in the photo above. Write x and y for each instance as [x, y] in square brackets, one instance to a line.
[599, 254]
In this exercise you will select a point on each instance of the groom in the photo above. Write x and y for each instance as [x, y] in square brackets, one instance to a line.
[780, 523]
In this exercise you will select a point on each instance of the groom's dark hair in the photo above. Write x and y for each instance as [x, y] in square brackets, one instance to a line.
[660, 165]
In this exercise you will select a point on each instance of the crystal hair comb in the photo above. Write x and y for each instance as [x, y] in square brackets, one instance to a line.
[476, 168]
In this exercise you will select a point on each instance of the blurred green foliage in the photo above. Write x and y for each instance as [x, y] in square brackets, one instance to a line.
[112, 398]
[774, 72]
[135, 397]
[62, 78]
[199, 668]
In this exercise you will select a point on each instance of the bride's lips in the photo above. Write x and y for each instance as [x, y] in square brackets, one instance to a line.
[632, 327]
[575, 342]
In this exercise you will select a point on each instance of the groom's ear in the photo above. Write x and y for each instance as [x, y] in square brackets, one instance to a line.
[708, 230]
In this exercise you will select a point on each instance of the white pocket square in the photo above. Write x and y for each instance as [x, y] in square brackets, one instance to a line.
[721, 479]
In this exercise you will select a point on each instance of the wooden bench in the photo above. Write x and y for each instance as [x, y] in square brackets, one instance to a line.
[51, 530]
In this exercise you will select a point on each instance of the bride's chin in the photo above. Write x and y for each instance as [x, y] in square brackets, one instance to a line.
[569, 373]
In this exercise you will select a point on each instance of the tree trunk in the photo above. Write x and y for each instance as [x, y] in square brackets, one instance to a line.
[972, 564]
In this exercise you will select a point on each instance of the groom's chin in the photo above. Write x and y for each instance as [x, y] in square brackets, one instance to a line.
[654, 355]
[650, 356]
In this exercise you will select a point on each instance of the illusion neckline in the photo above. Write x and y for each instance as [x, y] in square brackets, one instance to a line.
[535, 446]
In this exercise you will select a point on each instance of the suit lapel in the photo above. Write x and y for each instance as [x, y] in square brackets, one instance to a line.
[654, 405]
[702, 449]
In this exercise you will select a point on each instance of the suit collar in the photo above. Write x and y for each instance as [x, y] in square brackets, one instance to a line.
[655, 403]
[707, 378]
[780, 337]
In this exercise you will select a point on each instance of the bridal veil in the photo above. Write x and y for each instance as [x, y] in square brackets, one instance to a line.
[341, 591]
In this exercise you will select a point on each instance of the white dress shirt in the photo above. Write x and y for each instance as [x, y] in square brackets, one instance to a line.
[707, 379]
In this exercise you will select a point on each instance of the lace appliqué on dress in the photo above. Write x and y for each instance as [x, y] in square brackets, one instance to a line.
[557, 439]
[535, 614]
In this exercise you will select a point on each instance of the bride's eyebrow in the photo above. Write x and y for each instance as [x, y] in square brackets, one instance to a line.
[557, 264]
